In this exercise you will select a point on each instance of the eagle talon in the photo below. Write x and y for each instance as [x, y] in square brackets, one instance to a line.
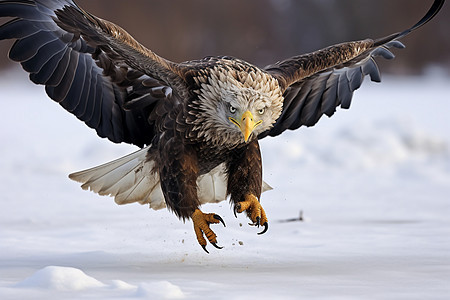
[254, 211]
[215, 245]
[266, 227]
[237, 209]
[201, 227]
[217, 217]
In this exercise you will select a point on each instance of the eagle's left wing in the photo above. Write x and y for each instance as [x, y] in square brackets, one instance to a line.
[315, 84]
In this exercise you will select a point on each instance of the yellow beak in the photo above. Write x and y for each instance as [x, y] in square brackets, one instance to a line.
[247, 124]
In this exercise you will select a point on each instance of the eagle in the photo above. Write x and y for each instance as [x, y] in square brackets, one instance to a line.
[197, 123]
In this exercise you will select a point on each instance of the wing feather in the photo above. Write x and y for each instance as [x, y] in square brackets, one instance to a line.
[73, 96]
[17, 28]
[46, 70]
[43, 55]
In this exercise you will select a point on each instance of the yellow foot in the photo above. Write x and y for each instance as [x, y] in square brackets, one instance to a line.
[254, 211]
[201, 226]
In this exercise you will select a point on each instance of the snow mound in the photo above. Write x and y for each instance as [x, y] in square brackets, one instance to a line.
[60, 279]
[159, 290]
[121, 285]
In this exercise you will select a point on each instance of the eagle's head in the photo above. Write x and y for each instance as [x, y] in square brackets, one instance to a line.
[247, 112]
[235, 105]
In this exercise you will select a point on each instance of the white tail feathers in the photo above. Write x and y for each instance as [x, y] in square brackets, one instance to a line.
[131, 179]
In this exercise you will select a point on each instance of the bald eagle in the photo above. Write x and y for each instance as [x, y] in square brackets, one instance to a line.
[198, 122]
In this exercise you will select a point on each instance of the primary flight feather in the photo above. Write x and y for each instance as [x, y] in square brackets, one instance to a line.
[198, 122]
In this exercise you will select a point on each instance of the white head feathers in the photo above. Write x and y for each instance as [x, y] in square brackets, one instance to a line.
[241, 86]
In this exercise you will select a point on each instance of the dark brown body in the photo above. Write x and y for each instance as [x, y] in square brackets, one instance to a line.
[180, 159]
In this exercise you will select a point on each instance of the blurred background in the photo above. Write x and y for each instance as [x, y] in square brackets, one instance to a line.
[265, 31]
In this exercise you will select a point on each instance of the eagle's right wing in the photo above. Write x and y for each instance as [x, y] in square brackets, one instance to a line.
[92, 67]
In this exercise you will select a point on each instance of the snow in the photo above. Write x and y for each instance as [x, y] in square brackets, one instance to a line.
[60, 278]
[372, 183]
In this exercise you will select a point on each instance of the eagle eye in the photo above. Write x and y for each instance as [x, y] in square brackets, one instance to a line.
[232, 109]
[262, 111]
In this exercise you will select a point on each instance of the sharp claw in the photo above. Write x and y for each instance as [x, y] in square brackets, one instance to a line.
[204, 248]
[215, 245]
[266, 226]
[257, 221]
[217, 217]
[236, 208]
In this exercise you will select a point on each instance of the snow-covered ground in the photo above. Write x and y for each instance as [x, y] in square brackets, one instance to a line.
[373, 184]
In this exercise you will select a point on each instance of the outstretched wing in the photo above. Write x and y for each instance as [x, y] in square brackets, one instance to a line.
[92, 67]
[315, 84]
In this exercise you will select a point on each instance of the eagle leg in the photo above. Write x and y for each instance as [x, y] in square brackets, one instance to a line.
[201, 226]
[254, 211]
